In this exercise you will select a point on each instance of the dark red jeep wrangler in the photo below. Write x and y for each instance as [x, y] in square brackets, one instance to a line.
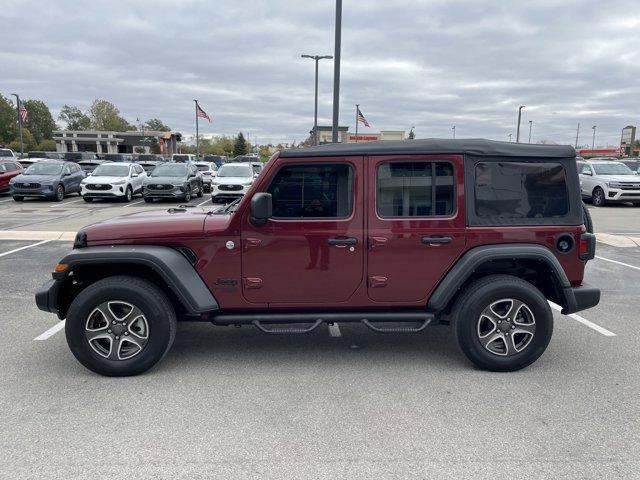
[396, 235]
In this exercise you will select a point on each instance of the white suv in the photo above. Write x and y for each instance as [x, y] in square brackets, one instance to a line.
[113, 180]
[604, 181]
[232, 181]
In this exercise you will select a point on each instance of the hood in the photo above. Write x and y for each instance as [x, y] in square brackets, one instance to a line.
[22, 178]
[172, 223]
[234, 180]
[622, 178]
[165, 180]
[101, 179]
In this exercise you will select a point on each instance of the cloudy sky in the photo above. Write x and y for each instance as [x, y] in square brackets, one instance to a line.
[429, 64]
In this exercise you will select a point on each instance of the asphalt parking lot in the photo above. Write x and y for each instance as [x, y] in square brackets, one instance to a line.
[347, 403]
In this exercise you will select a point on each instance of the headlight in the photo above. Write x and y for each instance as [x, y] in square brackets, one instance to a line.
[613, 185]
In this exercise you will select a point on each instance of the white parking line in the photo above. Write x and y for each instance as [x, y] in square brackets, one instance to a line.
[334, 330]
[134, 203]
[200, 204]
[585, 322]
[23, 248]
[619, 263]
[51, 332]
[62, 204]
[7, 200]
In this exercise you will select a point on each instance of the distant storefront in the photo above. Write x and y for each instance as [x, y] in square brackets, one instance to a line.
[344, 136]
[116, 142]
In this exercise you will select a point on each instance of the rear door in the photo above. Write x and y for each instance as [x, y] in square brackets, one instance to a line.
[416, 224]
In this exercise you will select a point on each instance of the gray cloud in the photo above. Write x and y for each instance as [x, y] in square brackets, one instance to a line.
[431, 64]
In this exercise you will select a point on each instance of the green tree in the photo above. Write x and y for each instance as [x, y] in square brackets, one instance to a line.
[74, 118]
[8, 120]
[40, 121]
[412, 134]
[156, 125]
[47, 145]
[105, 115]
[240, 145]
[27, 139]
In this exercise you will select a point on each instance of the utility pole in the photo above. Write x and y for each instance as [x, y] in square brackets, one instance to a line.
[519, 117]
[336, 72]
[593, 142]
[530, 125]
[510, 138]
[454, 131]
[317, 58]
[577, 133]
[19, 123]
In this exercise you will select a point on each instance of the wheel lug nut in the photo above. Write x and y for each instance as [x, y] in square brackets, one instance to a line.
[114, 322]
[117, 337]
[512, 327]
[499, 321]
[108, 331]
[126, 333]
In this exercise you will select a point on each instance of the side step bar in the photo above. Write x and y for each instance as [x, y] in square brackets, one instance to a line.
[262, 321]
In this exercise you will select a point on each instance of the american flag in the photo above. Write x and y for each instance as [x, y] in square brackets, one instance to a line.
[23, 113]
[201, 113]
[362, 120]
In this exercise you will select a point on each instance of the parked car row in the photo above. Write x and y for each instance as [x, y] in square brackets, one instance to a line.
[605, 181]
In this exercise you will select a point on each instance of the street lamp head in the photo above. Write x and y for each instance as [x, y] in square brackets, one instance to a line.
[306, 56]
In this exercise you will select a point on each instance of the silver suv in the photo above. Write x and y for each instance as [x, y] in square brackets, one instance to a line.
[604, 181]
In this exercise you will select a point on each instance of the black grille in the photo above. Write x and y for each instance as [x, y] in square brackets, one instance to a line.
[159, 186]
[28, 185]
[630, 186]
[230, 188]
[94, 186]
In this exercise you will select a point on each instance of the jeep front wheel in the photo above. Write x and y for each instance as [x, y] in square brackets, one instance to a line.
[502, 323]
[120, 326]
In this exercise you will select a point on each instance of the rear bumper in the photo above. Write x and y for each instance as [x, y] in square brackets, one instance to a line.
[580, 298]
[47, 296]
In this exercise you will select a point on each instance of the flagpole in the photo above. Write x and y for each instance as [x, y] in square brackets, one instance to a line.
[19, 123]
[357, 110]
[197, 141]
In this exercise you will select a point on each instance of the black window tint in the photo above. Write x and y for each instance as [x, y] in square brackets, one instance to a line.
[312, 191]
[512, 190]
[407, 189]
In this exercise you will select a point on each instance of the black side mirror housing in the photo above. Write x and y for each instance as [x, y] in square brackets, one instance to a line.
[261, 208]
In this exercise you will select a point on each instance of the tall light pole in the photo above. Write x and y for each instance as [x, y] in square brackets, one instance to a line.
[530, 126]
[336, 73]
[19, 123]
[519, 117]
[593, 142]
[577, 133]
[317, 58]
[510, 138]
[454, 131]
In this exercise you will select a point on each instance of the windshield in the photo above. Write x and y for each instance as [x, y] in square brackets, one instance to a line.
[147, 157]
[170, 171]
[181, 158]
[611, 169]
[115, 157]
[5, 153]
[111, 171]
[231, 170]
[203, 168]
[37, 155]
[44, 169]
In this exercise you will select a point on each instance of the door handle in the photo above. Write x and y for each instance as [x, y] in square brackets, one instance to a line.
[436, 240]
[342, 241]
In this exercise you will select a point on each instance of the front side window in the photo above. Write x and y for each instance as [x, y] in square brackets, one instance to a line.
[508, 191]
[415, 189]
[312, 191]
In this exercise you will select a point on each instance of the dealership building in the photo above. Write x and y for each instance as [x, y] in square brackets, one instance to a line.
[344, 136]
[116, 142]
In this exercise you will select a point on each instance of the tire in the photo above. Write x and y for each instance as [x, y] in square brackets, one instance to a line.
[58, 196]
[157, 321]
[597, 197]
[200, 191]
[586, 217]
[88, 199]
[18, 198]
[148, 199]
[498, 292]
[128, 194]
[187, 195]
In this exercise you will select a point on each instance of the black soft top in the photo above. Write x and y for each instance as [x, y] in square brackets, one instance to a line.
[474, 147]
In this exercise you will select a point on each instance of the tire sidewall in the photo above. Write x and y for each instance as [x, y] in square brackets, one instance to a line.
[598, 192]
[128, 194]
[467, 323]
[157, 320]
[59, 195]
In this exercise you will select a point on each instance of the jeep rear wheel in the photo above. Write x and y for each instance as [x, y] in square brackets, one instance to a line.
[597, 197]
[120, 326]
[502, 323]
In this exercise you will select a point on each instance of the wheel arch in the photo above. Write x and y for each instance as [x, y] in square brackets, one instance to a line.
[533, 263]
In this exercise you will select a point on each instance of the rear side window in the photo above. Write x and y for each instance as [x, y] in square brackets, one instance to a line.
[508, 191]
[313, 191]
[415, 189]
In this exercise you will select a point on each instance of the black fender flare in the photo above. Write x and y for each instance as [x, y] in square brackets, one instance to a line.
[474, 258]
[170, 264]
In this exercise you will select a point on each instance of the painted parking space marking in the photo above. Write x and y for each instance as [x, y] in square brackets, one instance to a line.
[334, 330]
[23, 248]
[617, 262]
[63, 204]
[200, 204]
[7, 200]
[134, 203]
[51, 332]
[585, 322]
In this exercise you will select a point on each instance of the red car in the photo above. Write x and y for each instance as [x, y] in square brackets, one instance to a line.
[8, 170]
[475, 234]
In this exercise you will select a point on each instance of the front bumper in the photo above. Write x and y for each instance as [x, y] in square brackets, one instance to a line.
[580, 298]
[112, 191]
[44, 191]
[47, 296]
[619, 195]
[216, 192]
[175, 192]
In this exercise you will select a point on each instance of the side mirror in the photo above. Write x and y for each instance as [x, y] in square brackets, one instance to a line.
[134, 175]
[586, 172]
[261, 208]
[66, 174]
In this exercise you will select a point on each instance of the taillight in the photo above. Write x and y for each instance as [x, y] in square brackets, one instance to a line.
[587, 246]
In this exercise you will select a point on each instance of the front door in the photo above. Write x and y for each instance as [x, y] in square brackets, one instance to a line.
[312, 250]
[416, 224]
